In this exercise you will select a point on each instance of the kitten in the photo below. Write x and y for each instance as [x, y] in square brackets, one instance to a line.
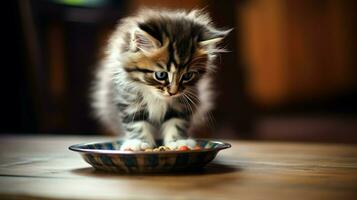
[154, 81]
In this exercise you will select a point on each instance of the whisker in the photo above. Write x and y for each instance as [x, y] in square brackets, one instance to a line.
[188, 103]
[211, 124]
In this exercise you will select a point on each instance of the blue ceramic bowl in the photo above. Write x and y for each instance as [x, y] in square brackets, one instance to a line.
[107, 156]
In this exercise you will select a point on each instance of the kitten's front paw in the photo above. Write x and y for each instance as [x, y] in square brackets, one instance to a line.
[183, 142]
[135, 145]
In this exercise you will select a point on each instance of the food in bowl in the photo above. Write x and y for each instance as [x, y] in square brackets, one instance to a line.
[165, 148]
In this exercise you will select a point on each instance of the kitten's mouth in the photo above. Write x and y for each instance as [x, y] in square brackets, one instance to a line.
[168, 96]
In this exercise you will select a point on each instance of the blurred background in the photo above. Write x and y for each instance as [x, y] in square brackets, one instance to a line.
[291, 74]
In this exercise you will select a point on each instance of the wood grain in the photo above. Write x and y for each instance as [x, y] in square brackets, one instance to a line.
[41, 167]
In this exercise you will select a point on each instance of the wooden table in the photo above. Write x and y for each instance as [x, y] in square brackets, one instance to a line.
[41, 167]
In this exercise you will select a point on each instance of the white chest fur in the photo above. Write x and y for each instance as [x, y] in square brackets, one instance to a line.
[156, 107]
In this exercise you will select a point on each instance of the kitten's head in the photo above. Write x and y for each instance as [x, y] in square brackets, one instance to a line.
[170, 51]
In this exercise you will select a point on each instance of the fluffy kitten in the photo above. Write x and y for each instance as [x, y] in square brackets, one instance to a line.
[154, 81]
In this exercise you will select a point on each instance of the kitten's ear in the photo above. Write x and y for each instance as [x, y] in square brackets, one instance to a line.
[214, 37]
[144, 41]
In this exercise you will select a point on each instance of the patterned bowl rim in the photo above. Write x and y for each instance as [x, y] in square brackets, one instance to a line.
[79, 148]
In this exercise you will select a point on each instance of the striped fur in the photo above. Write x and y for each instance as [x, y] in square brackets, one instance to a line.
[128, 97]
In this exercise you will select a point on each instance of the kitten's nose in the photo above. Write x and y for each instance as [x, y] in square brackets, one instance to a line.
[173, 90]
[172, 93]
[174, 86]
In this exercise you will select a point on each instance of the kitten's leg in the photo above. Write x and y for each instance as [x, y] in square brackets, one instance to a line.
[138, 136]
[137, 128]
[174, 133]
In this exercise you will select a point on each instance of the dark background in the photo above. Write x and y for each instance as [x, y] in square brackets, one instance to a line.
[290, 75]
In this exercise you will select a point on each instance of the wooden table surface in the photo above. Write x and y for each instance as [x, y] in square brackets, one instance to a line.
[41, 167]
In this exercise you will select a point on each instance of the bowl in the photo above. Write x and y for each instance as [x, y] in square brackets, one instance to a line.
[108, 156]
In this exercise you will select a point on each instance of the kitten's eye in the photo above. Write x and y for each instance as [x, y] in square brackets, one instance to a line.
[161, 76]
[188, 76]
